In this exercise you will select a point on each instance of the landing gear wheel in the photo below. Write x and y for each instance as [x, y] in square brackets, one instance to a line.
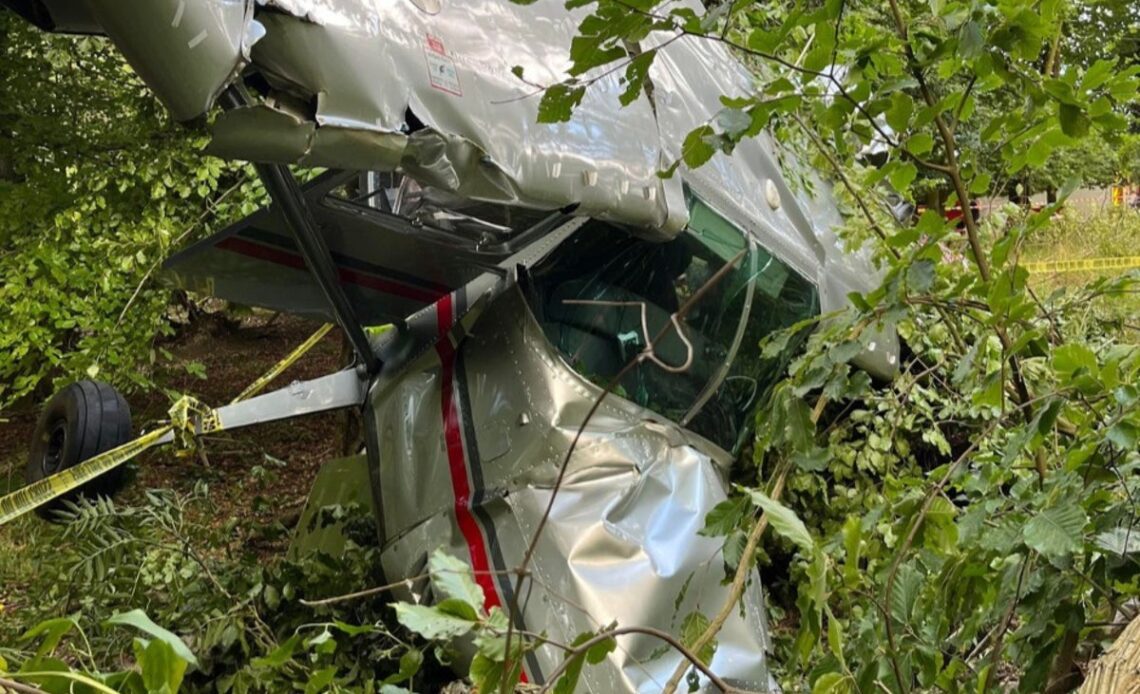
[79, 422]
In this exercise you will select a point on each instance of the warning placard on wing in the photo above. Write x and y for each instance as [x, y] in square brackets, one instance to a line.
[441, 68]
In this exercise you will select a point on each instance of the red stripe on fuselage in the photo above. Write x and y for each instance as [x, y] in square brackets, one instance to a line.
[457, 462]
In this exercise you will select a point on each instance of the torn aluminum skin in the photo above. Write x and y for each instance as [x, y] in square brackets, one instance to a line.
[482, 397]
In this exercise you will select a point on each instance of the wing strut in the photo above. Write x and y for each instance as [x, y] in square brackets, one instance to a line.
[287, 197]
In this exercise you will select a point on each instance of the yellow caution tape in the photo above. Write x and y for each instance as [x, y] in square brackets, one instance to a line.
[38, 493]
[1084, 265]
[285, 363]
[187, 416]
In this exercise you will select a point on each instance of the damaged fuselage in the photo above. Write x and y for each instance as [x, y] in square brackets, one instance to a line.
[525, 266]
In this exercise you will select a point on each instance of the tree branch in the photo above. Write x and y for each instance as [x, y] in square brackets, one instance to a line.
[665, 636]
[736, 590]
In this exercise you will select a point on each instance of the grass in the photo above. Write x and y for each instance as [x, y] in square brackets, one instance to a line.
[1077, 234]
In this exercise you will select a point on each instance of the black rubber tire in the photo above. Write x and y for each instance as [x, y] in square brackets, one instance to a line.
[79, 422]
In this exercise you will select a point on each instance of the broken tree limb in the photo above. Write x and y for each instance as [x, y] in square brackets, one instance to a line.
[1118, 670]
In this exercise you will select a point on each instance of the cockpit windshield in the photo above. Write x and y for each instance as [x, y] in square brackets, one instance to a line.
[605, 296]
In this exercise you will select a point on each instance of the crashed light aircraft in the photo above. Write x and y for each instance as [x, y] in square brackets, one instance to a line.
[522, 264]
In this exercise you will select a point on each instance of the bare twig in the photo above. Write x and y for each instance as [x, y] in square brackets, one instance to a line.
[369, 592]
[8, 685]
[189, 230]
[857, 195]
[663, 635]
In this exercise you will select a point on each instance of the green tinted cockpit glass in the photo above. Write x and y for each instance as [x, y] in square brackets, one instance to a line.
[604, 295]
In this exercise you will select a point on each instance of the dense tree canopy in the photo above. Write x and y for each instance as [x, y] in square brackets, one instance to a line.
[97, 187]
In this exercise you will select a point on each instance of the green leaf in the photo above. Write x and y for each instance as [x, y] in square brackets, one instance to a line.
[320, 680]
[353, 629]
[784, 521]
[278, 656]
[970, 41]
[835, 637]
[458, 608]
[698, 147]
[920, 143]
[814, 459]
[1124, 435]
[455, 579]
[432, 623]
[1074, 121]
[907, 586]
[52, 630]
[734, 122]
[899, 112]
[1056, 531]
[1073, 358]
[692, 627]
[486, 674]
[1119, 541]
[162, 669]
[831, 683]
[492, 638]
[410, 663]
[139, 620]
[635, 74]
[1098, 74]
[734, 546]
[595, 654]
[725, 516]
[902, 176]
[558, 103]
[920, 276]
[981, 184]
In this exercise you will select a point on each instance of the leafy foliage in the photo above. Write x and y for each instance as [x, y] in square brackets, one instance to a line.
[968, 525]
[226, 623]
[97, 187]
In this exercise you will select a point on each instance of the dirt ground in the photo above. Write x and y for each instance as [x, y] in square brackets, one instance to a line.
[257, 476]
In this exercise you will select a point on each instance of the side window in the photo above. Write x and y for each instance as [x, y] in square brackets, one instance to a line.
[777, 297]
[605, 294]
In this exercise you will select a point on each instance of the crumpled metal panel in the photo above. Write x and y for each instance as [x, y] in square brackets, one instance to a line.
[470, 439]
[187, 51]
[384, 67]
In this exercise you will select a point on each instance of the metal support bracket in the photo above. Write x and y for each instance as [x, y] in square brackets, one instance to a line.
[335, 391]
